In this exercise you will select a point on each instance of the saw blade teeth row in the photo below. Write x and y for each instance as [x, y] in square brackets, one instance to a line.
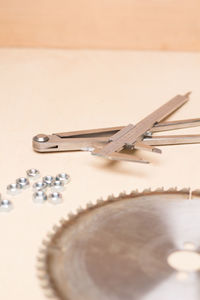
[179, 190]
[51, 233]
[42, 271]
[45, 282]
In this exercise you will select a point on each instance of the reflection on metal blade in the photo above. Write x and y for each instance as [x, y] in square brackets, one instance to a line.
[119, 248]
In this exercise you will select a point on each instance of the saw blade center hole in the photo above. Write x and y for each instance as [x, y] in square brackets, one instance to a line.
[186, 260]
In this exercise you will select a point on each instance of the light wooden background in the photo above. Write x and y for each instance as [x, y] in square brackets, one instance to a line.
[112, 24]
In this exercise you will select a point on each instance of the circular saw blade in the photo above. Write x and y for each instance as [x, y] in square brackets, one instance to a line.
[118, 249]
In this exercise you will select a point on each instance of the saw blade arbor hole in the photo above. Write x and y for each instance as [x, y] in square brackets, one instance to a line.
[184, 261]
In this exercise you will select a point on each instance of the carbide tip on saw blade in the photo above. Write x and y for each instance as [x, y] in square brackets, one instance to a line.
[53, 268]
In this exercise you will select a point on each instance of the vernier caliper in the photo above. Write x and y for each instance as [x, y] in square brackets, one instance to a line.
[112, 142]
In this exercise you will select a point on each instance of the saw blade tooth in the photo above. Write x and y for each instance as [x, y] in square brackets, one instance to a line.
[89, 205]
[133, 193]
[45, 284]
[111, 197]
[41, 256]
[50, 234]
[160, 189]
[46, 242]
[42, 275]
[41, 271]
[50, 293]
[122, 194]
[100, 201]
[42, 251]
[146, 191]
[62, 221]
[71, 215]
[42, 267]
[45, 281]
[55, 228]
[80, 210]
[41, 264]
[42, 261]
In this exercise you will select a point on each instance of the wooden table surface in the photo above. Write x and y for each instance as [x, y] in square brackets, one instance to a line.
[55, 90]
